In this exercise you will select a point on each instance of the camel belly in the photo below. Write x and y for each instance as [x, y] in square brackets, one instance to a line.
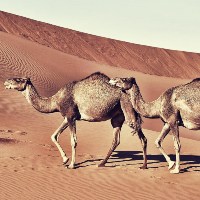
[86, 117]
[97, 115]
[89, 118]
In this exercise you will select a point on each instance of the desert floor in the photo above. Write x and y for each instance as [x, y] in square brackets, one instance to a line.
[30, 164]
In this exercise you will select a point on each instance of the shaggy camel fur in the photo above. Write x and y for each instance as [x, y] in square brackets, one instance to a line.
[178, 106]
[92, 99]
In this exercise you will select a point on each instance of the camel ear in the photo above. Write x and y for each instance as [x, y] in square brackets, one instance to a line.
[28, 80]
[132, 80]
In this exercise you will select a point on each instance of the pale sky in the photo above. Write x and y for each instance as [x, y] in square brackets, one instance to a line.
[171, 24]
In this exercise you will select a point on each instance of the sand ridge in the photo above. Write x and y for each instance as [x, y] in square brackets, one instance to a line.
[35, 176]
[150, 60]
[49, 70]
[30, 164]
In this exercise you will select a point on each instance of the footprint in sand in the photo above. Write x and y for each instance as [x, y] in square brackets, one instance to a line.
[13, 132]
[6, 131]
[8, 141]
[21, 132]
[9, 136]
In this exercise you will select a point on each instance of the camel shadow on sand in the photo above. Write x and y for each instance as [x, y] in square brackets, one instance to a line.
[188, 162]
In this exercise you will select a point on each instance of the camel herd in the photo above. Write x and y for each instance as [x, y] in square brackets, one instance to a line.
[98, 98]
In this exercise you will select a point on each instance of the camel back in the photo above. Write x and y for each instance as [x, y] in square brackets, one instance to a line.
[96, 76]
[95, 96]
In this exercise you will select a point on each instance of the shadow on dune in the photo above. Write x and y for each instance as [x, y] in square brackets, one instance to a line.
[87, 163]
[192, 160]
[128, 156]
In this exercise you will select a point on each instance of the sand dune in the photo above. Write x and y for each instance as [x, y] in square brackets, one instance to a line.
[149, 60]
[31, 174]
[31, 167]
[49, 70]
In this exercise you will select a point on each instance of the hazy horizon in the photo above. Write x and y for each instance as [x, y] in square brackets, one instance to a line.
[166, 24]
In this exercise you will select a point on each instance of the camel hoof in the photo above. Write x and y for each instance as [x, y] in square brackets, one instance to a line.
[101, 165]
[171, 165]
[143, 167]
[71, 166]
[65, 160]
[175, 171]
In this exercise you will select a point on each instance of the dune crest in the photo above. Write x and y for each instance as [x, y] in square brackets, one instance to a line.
[149, 60]
[30, 163]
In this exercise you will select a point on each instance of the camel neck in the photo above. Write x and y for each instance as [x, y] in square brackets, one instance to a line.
[146, 109]
[42, 104]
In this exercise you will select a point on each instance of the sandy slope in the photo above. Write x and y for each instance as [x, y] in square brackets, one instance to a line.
[33, 170]
[49, 70]
[30, 165]
[141, 58]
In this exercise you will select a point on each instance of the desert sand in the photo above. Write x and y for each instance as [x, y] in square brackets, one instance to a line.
[31, 167]
[145, 59]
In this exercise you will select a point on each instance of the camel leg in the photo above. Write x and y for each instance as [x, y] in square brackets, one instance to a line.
[159, 141]
[144, 147]
[128, 110]
[177, 147]
[117, 123]
[55, 137]
[72, 127]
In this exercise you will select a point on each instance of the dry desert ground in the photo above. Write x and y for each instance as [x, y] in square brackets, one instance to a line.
[30, 164]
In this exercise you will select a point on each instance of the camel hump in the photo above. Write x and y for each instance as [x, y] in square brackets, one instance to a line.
[97, 75]
[196, 80]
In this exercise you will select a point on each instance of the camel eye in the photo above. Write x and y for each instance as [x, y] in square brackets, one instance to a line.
[18, 80]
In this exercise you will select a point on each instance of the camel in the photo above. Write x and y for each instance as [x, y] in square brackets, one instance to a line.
[177, 106]
[91, 99]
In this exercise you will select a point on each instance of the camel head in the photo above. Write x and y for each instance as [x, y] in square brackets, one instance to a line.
[17, 83]
[123, 83]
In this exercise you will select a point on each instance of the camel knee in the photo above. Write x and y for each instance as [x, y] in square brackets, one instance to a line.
[117, 143]
[144, 142]
[74, 142]
[177, 146]
[158, 143]
[142, 137]
[54, 138]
